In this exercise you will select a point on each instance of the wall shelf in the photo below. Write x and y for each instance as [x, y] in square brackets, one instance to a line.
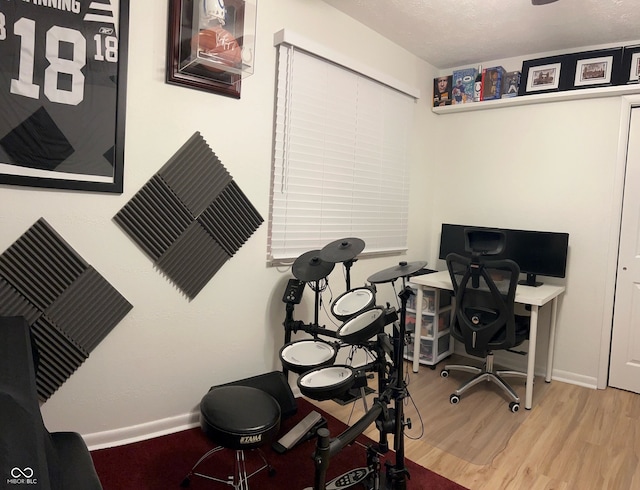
[590, 93]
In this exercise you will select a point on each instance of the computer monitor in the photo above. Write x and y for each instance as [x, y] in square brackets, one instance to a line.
[484, 242]
[538, 253]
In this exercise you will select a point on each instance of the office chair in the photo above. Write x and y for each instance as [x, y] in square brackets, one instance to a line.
[484, 318]
[29, 453]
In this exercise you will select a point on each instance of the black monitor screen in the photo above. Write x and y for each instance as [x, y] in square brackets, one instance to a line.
[536, 252]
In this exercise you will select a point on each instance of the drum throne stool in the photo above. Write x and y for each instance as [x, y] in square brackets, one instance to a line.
[237, 418]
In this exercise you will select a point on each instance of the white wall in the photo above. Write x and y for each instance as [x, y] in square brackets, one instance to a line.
[545, 167]
[166, 353]
[548, 167]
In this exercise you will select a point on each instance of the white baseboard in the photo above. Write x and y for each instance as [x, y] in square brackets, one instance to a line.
[148, 430]
[575, 379]
[519, 363]
[156, 428]
[141, 432]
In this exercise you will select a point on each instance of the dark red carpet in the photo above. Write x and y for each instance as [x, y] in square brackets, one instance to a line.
[163, 462]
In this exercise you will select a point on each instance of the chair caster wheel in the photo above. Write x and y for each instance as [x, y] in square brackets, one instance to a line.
[514, 407]
[271, 471]
[444, 373]
[454, 399]
[185, 483]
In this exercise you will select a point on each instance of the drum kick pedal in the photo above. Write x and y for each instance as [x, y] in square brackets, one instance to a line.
[347, 480]
[303, 431]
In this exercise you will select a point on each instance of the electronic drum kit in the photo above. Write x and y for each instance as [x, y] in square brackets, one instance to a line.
[363, 326]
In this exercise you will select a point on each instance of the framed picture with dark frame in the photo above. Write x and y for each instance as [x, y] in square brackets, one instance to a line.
[62, 93]
[630, 71]
[206, 45]
[543, 75]
[592, 69]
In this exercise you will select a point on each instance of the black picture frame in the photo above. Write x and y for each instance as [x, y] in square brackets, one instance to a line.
[185, 66]
[64, 126]
[592, 69]
[543, 75]
[630, 69]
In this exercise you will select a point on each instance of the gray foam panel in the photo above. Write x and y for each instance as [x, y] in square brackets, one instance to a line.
[69, 306]
[190, 217]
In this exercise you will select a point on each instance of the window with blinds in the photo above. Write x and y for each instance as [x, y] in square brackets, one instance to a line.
[340, 160]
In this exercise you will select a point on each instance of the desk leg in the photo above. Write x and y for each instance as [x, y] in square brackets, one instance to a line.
[531, 358]
[552, 339]
[417, 341]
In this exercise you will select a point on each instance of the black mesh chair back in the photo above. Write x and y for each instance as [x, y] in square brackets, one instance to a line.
[485, 291]
[484, 317]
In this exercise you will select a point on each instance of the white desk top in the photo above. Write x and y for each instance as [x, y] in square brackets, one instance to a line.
[528, 295]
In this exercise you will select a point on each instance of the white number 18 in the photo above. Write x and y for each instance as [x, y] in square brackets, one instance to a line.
[3, 27]
[23, 85]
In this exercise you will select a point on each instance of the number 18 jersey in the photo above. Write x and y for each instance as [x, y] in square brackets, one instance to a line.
[58, 84]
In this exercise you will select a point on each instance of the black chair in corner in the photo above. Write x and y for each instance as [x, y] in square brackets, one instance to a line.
[30, 455]
[484, 319]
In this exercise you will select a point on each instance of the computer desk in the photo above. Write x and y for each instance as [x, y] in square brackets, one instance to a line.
[528, 295]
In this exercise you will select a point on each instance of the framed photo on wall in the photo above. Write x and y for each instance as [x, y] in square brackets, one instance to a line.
[595, 68]
[593, 71]
[543, 75]
[630, 72]
[62, 93]
[209, 45]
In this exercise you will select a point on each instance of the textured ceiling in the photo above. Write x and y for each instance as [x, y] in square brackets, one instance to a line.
[452, 33]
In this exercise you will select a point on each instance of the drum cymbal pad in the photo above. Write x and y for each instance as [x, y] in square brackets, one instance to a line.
[403, 269]
[310, 267]
[342, 250]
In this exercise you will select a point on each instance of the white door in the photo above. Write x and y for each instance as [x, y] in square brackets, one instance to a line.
[625, 342]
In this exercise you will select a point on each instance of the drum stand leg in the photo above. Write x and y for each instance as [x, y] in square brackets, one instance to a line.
[391, 389]
[316, 315]
[397, 474]
[347, 266]
[363, 395]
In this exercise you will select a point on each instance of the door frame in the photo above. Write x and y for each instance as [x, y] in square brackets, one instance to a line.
[627, 104]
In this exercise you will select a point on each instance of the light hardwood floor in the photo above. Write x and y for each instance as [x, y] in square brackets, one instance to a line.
[573, 438]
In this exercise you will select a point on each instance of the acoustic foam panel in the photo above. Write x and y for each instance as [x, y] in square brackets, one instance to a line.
[69, 306]
[59, 356]
[190, 218]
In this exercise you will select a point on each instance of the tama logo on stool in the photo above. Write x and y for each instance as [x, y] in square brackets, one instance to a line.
[22, 476]
[250, 439]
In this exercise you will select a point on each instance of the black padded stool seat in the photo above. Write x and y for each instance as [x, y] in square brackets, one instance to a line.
[239, 417]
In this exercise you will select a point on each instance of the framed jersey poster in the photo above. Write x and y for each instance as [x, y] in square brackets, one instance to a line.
[62, 93]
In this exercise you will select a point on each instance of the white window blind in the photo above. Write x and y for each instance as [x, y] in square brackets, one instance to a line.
[340, 163]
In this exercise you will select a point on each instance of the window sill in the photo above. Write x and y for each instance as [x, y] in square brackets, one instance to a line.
[590, 93]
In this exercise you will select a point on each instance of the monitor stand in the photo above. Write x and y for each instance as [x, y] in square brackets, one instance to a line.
[530, 281]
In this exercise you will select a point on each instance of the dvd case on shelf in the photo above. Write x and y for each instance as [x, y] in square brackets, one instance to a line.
[511, 84]
[463, 80]
[492, 82]
[442, 91]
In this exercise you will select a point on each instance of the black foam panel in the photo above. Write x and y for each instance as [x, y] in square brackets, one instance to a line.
[69, 306]
[190, 218]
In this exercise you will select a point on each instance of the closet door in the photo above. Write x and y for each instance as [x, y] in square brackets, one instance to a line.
[624, 365]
